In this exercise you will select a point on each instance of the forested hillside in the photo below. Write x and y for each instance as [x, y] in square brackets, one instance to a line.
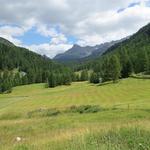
[31, 67]
[127, 57]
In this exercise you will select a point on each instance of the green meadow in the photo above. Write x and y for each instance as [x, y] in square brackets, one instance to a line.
[83, 116]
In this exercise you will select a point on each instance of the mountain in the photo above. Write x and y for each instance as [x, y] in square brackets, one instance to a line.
[102, 48]
[78, 53]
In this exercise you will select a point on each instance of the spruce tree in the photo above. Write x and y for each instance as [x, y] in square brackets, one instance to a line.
[115, 68]
[84, 75]
[52, 80]
[94, 78]
[105, 70]
[66, 79]
[127, 66]
[24, 80]
[146, 62]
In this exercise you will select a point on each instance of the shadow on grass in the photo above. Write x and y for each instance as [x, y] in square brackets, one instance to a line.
[107, 83]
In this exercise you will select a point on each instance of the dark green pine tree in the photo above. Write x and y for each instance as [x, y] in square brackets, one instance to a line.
[94, 78]
[115, 68]
[6, 82]
[66, 79]
[52, 80]
[84, 75]
[45, 75]
[31, 76]
[1, 80]
[24, 80]
[146, 62]
[127, 66]
[17, 79]
[105, 70]
[59, 79]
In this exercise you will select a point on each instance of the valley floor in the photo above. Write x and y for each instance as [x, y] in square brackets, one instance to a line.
[35, 118]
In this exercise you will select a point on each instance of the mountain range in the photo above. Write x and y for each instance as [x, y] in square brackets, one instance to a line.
[78, 53]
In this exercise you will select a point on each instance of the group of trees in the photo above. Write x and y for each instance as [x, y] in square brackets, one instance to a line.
[9, 79]
[56, 79]
[109, 69]
[80, 76]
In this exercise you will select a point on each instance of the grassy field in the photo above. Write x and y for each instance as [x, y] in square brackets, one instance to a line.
[42, 118]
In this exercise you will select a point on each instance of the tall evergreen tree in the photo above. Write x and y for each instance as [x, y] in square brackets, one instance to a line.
[52, 80]
[127, 66]
[146, 62]
[24, 80]
[84, 75]
[105, 70]
[115, 68]
[66, 79]
[94, 78]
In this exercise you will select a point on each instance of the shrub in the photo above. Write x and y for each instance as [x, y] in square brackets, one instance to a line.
[51, 112]
[85, 109]
[43, 113]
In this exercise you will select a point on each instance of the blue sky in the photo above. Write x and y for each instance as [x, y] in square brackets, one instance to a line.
[32, 37]
[52, 26]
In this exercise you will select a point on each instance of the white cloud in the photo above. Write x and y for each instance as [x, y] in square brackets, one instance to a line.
[49, 49]
[91, 22]
[113, 26]
[45, 31]
[9, 32]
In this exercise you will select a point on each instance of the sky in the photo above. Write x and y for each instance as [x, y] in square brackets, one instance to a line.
[49, 27]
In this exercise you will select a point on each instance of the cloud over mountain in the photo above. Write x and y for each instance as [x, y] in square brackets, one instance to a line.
[89, 22]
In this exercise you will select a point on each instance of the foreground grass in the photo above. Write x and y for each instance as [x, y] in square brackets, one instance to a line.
[123, 124]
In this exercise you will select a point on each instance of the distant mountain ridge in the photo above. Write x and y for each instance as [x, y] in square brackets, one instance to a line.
[78, 52]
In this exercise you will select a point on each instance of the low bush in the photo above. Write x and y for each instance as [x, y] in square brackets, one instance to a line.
[85, 109]
[73, 109]
[43, 113]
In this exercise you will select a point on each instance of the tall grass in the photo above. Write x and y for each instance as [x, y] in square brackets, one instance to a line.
[115, 139]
